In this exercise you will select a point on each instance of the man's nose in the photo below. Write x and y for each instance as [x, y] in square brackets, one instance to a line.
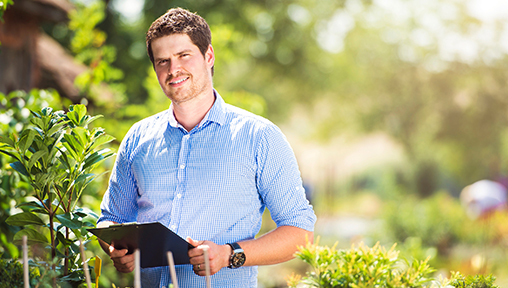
[174, 67]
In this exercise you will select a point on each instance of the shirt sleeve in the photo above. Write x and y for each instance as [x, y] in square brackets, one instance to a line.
[279, 182]
[119, 203]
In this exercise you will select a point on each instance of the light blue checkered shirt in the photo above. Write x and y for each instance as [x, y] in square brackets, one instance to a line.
[212, 183]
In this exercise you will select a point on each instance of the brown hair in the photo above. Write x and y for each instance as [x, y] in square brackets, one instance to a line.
[180, 21]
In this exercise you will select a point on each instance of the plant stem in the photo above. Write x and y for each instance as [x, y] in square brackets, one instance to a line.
[51, 215]
[66, 260]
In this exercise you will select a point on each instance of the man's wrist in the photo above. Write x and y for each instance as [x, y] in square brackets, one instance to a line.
[228, 251]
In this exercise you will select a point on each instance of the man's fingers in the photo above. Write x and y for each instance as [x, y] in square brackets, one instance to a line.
[193, 242]
[115, 253]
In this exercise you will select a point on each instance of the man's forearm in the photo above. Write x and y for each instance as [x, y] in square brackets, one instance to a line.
[276, 246]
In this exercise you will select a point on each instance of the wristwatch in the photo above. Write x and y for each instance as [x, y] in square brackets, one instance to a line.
[237, 258]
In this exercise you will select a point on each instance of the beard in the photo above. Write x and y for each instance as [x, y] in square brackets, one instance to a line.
[192, 88]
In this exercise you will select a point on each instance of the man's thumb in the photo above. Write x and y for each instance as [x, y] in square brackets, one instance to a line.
[194, 243]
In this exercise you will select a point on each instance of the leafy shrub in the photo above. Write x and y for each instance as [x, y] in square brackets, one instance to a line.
[364, 267]
[15, 117]
[473, 281]
[360, 267]
[11, 274]
[57, 154]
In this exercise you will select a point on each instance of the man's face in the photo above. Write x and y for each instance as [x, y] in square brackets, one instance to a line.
[181, 69]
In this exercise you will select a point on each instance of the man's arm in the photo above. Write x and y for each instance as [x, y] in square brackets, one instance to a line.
[277, 246]
[122, 261]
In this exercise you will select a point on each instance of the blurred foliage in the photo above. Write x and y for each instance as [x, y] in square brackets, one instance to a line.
[3, 6]
[473, 281]
[365, 267]
[439, 221]
[11, 273]
[359, 267]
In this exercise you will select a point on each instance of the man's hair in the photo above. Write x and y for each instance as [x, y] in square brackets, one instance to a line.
[180, 21]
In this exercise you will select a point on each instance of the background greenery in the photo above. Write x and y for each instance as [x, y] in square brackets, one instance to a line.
[392, 107]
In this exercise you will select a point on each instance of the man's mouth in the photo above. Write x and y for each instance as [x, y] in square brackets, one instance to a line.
[178, 81]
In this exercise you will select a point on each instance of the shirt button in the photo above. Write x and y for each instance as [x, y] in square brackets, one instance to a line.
[186, 136]
[179, 195]
[182, 166]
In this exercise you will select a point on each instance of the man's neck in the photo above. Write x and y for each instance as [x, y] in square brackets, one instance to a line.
[190, 113]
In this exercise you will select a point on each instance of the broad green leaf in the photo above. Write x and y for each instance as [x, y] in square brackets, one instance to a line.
[66, 220]
[35, 157]
[36, 114]
[83, 177]
[87, 212]
[24, 218]
[93, 159]
[7, 140]
[37, 122]
[56, 128]
[77, 113]
[80, 214]
[70, 150]
[34, 204]
[63, 159]
[74, 143]
[80, 134]
[34, 237]
[102, 139]
[26, 140]
[9, 154]
[61, 238]
[91, 119]
[19, 167]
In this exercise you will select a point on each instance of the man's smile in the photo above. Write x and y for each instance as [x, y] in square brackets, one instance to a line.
[178, 81]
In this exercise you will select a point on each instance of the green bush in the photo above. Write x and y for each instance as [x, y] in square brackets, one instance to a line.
[376, 267]
[473, 281]
[360, 267]
[11, 274]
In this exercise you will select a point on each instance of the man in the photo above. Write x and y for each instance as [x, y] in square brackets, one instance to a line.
[206, 170]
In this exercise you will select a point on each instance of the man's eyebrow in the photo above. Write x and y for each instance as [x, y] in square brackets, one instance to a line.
[184, 51]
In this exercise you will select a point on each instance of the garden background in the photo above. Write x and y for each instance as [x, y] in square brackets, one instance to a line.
[392, 107]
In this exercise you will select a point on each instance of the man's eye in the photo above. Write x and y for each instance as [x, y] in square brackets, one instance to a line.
[161, 62]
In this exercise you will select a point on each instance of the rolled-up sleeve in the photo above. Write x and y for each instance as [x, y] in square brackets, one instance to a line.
[279, 182]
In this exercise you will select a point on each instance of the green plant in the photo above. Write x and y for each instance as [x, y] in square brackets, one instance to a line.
[15, 117]
[473, 281]
[56, 154]
[11, 274]
[360, 267]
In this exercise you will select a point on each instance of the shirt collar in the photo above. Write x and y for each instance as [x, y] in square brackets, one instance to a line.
[216, 114]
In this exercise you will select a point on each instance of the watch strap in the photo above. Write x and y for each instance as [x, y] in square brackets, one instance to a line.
[234, 246]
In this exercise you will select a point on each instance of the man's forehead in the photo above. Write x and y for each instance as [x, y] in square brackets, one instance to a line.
[173, 43]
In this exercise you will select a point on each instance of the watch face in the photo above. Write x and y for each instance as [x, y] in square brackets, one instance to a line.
[238, 259]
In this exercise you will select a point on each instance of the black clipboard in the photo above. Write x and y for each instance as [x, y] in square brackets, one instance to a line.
[154, 240]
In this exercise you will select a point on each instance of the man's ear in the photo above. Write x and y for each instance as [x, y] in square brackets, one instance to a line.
[210, 56]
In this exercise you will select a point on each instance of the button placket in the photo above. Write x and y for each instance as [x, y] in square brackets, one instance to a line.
[181, 178]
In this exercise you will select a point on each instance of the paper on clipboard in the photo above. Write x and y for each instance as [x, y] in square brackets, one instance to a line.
[154, 240]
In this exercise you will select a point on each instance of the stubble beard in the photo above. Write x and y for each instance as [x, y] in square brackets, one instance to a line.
[180, 95]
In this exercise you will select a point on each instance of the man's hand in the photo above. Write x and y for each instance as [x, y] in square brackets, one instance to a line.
[218, 256]
[123, 262]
